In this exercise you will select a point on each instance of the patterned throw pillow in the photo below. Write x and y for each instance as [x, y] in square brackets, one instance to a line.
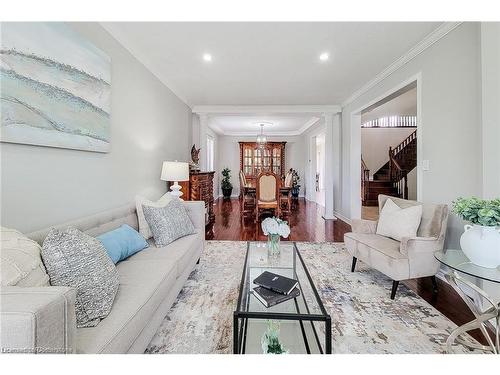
[75, 259]
[141, 201]
[168, 223]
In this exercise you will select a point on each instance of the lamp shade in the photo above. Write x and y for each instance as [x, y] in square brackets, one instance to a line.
[174, 171]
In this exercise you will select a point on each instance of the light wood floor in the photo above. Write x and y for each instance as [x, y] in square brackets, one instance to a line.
[369, 212]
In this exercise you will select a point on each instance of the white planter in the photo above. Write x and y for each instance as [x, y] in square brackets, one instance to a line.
[481, 245]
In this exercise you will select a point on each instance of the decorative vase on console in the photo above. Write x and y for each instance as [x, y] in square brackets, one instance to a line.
[481, 241]
[274, 228]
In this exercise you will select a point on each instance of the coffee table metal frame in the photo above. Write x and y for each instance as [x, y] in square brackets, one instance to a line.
[240, 330]
[482, 318]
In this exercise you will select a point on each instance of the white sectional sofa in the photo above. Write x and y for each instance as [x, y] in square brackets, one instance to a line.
[43, 319]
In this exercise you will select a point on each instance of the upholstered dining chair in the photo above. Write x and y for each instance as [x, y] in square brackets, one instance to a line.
[267, 193]
[410, 258]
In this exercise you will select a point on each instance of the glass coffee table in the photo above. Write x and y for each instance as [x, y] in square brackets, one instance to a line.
[301, 324]
[487, 311]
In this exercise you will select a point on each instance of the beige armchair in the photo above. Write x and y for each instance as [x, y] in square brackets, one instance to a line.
[409, 259]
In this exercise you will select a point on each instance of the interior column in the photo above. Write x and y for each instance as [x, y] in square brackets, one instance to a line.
[332, 162]
[202, 141]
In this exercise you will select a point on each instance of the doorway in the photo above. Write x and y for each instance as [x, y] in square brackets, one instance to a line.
[385, 149]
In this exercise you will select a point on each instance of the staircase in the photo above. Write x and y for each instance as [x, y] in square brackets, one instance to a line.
[391, 178]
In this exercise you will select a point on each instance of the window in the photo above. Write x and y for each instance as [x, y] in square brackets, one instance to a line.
[210, 153]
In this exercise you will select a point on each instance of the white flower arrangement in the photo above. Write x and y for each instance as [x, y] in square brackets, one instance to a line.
[274, 225]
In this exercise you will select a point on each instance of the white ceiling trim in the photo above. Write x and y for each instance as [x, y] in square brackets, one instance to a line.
[117, 35]
[216, 128]
[428, 41]
[290, 133]
[265, 109]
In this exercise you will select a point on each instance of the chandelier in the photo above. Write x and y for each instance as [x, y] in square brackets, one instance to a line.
[261, 138]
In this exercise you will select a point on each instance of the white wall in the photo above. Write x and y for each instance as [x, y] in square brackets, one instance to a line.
[375, 143]
[229, 156]
[450, 118]
[43, 186]
[490, 63]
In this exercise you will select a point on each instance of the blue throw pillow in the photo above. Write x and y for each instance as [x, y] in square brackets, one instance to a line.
[122, 242]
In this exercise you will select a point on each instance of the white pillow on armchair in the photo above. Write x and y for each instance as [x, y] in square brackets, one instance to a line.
[396, 222]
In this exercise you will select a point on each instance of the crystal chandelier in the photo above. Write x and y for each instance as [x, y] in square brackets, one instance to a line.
[261, 138]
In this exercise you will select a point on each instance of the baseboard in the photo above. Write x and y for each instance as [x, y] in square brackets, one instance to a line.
[345, 219]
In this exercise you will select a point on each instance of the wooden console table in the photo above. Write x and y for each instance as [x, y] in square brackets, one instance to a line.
[200, 187]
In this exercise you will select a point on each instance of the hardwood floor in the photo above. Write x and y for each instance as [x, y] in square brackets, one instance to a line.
[308, 225]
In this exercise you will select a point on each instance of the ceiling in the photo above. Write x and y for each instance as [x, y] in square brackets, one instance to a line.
[267, 63]
[278, 125]
[404, 104]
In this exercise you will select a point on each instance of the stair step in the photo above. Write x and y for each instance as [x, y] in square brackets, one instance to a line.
[381, 183]
[370, 202]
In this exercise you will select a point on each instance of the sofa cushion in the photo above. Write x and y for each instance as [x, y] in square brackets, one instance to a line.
[77, 260]
[143, 286]
[141, 201]
[182, 252]
[122, 242]
[379, 252]
[20, 260]
[396, 222]
[168, 223]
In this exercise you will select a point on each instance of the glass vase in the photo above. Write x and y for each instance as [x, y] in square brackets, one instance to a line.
[273, 244]
[270, 340]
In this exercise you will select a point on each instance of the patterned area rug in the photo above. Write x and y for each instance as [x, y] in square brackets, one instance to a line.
[364, 318]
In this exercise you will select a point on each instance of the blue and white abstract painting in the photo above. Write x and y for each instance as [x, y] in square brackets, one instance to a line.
[55, 87]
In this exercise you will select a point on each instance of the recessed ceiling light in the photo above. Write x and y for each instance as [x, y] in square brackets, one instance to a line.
[324, 56]
[207, 57]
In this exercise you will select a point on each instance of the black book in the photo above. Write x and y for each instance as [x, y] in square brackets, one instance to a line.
[269, 298]
[276, 283]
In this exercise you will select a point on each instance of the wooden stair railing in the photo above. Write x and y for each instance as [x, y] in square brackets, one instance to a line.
[365, 180]
[402, 159]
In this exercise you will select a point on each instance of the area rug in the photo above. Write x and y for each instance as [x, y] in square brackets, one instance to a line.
[364, 318]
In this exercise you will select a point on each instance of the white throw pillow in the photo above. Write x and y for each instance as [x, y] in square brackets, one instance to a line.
[144, 229]
[396, 222]
[20, 260]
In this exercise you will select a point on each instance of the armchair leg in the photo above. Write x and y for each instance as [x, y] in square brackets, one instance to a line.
[354, 260]
[434, 286]
[394, 288]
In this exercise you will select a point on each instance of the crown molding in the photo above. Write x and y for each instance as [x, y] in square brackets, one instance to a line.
[264, 109]
[310, 122]
[291, 133]
[142, 59]
[428, 41]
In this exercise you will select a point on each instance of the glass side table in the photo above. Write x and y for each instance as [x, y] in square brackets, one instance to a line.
[459, 263]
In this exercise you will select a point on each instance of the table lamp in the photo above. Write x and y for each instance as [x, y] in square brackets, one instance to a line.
[175, 171]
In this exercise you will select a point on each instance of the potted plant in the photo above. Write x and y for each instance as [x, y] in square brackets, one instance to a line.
[227, 186]
[481, 241]
[295, 184]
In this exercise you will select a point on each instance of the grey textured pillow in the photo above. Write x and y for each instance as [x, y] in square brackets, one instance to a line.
[75, 259]
[168, 223]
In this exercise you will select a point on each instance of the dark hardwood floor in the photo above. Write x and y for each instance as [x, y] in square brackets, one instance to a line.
[308, 225]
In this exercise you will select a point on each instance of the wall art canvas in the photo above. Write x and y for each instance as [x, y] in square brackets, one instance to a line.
[55, 87]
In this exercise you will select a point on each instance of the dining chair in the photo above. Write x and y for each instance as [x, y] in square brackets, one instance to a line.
[267, 194]
[247, 199]
[286, 195]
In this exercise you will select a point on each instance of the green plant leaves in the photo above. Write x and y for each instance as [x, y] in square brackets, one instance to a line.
[478, 211]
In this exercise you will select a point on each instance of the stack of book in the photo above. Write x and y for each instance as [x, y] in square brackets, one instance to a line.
[273, 289]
